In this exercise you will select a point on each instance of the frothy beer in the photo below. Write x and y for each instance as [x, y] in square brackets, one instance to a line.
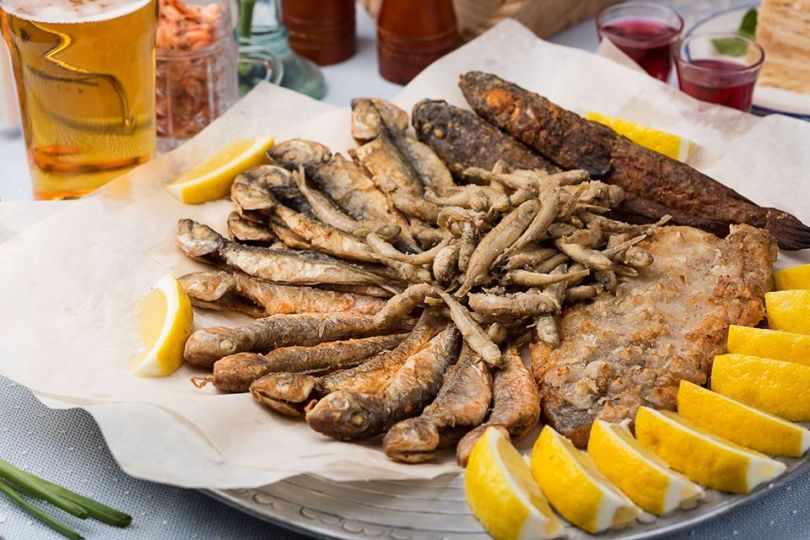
[85, 79]
[71, 11]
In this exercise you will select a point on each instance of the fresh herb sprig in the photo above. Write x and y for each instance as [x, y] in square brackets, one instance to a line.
[14, 483]
[734, 46]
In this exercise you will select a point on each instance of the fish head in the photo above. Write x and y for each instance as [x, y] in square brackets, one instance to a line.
[370, 116]
[208, 286]
[198, 241]
[252, 198]
[411, 436]
[346, 416]
[289, 387]
[205, 346]
[431, 115]
[295, 152]
[366, 121]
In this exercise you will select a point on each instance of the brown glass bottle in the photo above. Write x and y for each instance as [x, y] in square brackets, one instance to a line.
[412, 34]
[322, 30]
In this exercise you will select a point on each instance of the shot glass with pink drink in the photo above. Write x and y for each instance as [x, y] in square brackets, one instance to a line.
[719, 68]
[643, 31]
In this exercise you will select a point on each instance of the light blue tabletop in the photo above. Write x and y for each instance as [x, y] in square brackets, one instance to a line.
[66, 446]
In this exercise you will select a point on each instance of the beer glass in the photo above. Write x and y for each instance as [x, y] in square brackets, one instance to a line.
[85, 74]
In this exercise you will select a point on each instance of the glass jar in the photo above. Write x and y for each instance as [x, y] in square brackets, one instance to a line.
[196, 67]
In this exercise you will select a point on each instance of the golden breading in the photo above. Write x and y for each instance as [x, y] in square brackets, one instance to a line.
[620, 352]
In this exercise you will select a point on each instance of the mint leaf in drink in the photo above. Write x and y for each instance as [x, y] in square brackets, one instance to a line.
[748, 26]
[730, 46]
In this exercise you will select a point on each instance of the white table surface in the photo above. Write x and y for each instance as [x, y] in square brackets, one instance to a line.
[67, 447]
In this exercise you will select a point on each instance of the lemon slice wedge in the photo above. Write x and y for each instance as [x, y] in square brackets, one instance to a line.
[774, 344]
[575, 487]
[165, 320]
[789, 310]
[741, 424]
[638, 472]
[770, 385]
[796, 277]
[502, 493]
[662, 142]
[702, 457]
[212, 179]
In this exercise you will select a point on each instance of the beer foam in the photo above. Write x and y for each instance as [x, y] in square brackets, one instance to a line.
[70, 11]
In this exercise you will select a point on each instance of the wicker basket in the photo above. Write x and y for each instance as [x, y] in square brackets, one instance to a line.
[543, 17]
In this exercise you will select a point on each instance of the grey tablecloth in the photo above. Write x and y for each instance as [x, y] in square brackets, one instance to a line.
[67, 447]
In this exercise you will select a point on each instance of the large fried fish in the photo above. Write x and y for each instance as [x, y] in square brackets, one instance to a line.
[463, 139]
[633, 348]
[656, 185]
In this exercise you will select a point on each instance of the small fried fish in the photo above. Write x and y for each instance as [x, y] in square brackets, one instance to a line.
[288, 393]
[515, 408]
[231, 291]
[235, 373]
[279, 266]
[206, 346]
[352, 416]
[462, 403]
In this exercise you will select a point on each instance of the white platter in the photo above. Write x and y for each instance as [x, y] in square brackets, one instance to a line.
[433, 510]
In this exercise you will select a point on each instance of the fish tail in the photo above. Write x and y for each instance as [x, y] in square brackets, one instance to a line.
[790, 233]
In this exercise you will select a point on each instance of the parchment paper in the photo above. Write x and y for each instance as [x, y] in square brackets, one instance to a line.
[71, 282]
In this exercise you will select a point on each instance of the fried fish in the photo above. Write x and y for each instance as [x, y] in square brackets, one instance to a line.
[461, 404]
[463, 139]
[277, 265]
[633, 348]
[207, 345]
[288, 393]
[515, 406]
[352, 416]
[231, 291]
[235, 373]
[656, 185]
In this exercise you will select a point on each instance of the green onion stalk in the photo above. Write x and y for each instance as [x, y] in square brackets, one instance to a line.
[15, 483]
[246, 17]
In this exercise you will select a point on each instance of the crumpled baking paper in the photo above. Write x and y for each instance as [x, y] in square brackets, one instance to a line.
[71, 281]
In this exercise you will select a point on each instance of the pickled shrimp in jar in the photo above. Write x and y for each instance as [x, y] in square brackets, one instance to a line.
[196, 68]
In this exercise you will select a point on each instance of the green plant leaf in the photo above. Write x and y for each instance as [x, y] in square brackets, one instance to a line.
[748, 26]
[730, 46]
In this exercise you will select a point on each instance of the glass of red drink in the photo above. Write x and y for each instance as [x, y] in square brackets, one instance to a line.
[644, 32]
[719, 68]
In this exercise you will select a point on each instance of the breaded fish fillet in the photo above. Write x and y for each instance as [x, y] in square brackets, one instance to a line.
[620, 352]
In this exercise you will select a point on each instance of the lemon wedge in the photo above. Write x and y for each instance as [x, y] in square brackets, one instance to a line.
[165, 320]
[796, 277]
[702, 457]
[741, 424]
[502, 493]
[778, 387]
[638, 472]
[789, 310]
[662, 142]
[774, 344]
[575, 487]
[212, 179]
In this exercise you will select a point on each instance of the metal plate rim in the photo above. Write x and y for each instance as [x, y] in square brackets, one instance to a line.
[244, 501]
